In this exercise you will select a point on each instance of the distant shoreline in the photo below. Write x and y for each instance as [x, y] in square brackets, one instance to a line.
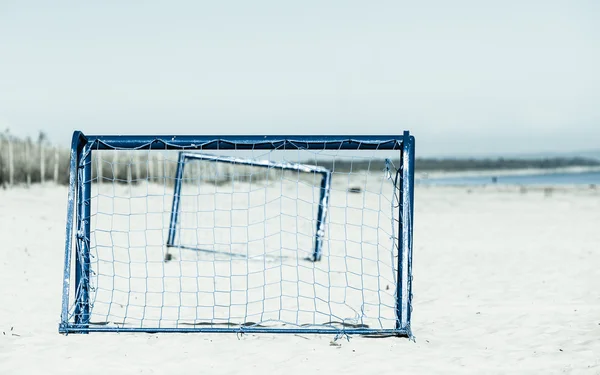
[504, 172]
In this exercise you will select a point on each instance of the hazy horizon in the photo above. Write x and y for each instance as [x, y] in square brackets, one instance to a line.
[466, 78]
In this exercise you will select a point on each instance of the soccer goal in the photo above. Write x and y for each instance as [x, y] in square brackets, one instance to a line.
[246, 234]
[241, 210]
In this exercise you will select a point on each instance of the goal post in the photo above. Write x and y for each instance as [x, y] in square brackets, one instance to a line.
[185, 157]
[246, 234]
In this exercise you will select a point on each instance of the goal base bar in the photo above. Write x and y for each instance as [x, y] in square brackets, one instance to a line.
[248, 330]
[265, 255]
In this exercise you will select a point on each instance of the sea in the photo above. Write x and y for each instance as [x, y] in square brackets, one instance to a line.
[545, 179]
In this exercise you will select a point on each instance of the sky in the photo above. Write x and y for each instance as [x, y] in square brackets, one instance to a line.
[465, 77]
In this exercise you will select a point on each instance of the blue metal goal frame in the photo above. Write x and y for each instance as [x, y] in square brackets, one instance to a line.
[78, 230]
[323, 194]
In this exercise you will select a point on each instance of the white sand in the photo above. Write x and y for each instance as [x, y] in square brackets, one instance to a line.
[505, 281]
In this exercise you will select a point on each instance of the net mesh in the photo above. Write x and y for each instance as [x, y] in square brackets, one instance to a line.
[243, 240]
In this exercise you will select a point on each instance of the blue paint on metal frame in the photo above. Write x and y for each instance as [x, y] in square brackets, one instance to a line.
[323, 199]
[248, 142]
[248, 330]
[80, 190]
[411, 189]
[82, 259]
[76, 145]
[405, 240]
[322, 215]
[176, 200]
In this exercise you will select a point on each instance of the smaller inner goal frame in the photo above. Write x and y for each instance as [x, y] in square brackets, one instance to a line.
[78, 222]
[325, 188]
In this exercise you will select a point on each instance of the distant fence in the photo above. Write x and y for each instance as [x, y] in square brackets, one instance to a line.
[24, 162]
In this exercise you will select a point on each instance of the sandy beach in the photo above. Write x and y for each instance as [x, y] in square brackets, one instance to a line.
[506, 280]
